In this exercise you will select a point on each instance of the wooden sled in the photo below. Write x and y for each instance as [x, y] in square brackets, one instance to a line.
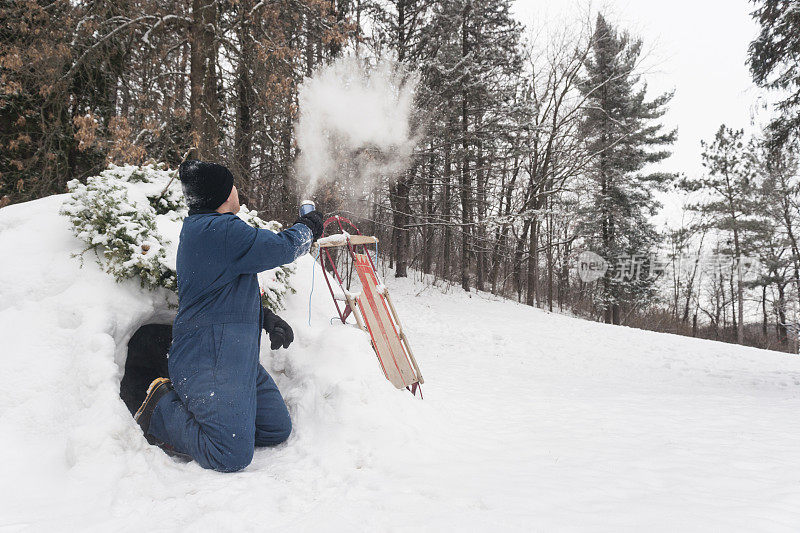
[372, 307]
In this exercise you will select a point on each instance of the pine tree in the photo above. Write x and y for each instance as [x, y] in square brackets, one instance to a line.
[779, 199]
[774, 60]
[621, 127]
[731, 205]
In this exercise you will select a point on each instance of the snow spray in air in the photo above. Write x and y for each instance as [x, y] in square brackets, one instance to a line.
[355, 125]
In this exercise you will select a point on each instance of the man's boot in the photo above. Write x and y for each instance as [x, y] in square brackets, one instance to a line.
[157, 389]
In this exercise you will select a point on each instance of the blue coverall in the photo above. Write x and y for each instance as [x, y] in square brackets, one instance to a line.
[224, 402]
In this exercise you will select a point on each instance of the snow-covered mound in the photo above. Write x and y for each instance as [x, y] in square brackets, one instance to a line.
[530, 421]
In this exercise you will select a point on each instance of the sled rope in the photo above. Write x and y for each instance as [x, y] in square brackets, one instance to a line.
[313, 276]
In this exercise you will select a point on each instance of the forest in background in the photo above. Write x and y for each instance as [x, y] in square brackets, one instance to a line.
[535, 147]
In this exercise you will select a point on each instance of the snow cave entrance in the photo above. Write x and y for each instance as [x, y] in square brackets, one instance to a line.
[146, 361]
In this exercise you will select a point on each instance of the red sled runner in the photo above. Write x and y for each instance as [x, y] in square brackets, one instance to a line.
[372, 307]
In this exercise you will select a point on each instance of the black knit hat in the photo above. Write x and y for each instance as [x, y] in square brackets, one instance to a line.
[205, 185]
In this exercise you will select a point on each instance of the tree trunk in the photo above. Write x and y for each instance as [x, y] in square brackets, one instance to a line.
[466, 216]
[739, 293]
[518, 253]
[607, 223]
[479, 234]
[783, 337]
[242, 137]
[764, 311]
[288, 185]
[401, 221]
[427, 195]
[395, 224]
[446, 212]
[533, 263]
[204, 104]
[466, 182]
[690, 284]
[550, 266]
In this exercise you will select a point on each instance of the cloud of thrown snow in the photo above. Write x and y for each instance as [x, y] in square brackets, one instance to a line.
[354, 125]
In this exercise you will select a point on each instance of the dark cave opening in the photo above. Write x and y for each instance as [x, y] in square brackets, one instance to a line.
[147, 360]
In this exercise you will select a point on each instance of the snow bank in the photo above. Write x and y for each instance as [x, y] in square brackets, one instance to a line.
[65, 330]
[530, 421]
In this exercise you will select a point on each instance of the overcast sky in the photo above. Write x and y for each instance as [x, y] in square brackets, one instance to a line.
[696, 47]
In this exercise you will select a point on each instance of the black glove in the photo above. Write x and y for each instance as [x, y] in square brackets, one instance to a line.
[280, 333]
[314, 222]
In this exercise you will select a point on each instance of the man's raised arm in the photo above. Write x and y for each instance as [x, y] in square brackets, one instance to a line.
[254, 250]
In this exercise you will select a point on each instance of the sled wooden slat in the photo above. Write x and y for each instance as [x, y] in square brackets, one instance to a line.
[352, 303]
[403, 337]
[387, 342]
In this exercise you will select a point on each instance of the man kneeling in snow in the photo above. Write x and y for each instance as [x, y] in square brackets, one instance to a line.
[219, 401]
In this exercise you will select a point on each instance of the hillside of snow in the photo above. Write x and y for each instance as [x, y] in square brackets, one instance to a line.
[531, 421]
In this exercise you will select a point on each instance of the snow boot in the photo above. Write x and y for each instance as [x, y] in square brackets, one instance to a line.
[157, 389]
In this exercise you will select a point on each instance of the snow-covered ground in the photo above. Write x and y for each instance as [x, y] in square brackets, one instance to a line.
[531, 421]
